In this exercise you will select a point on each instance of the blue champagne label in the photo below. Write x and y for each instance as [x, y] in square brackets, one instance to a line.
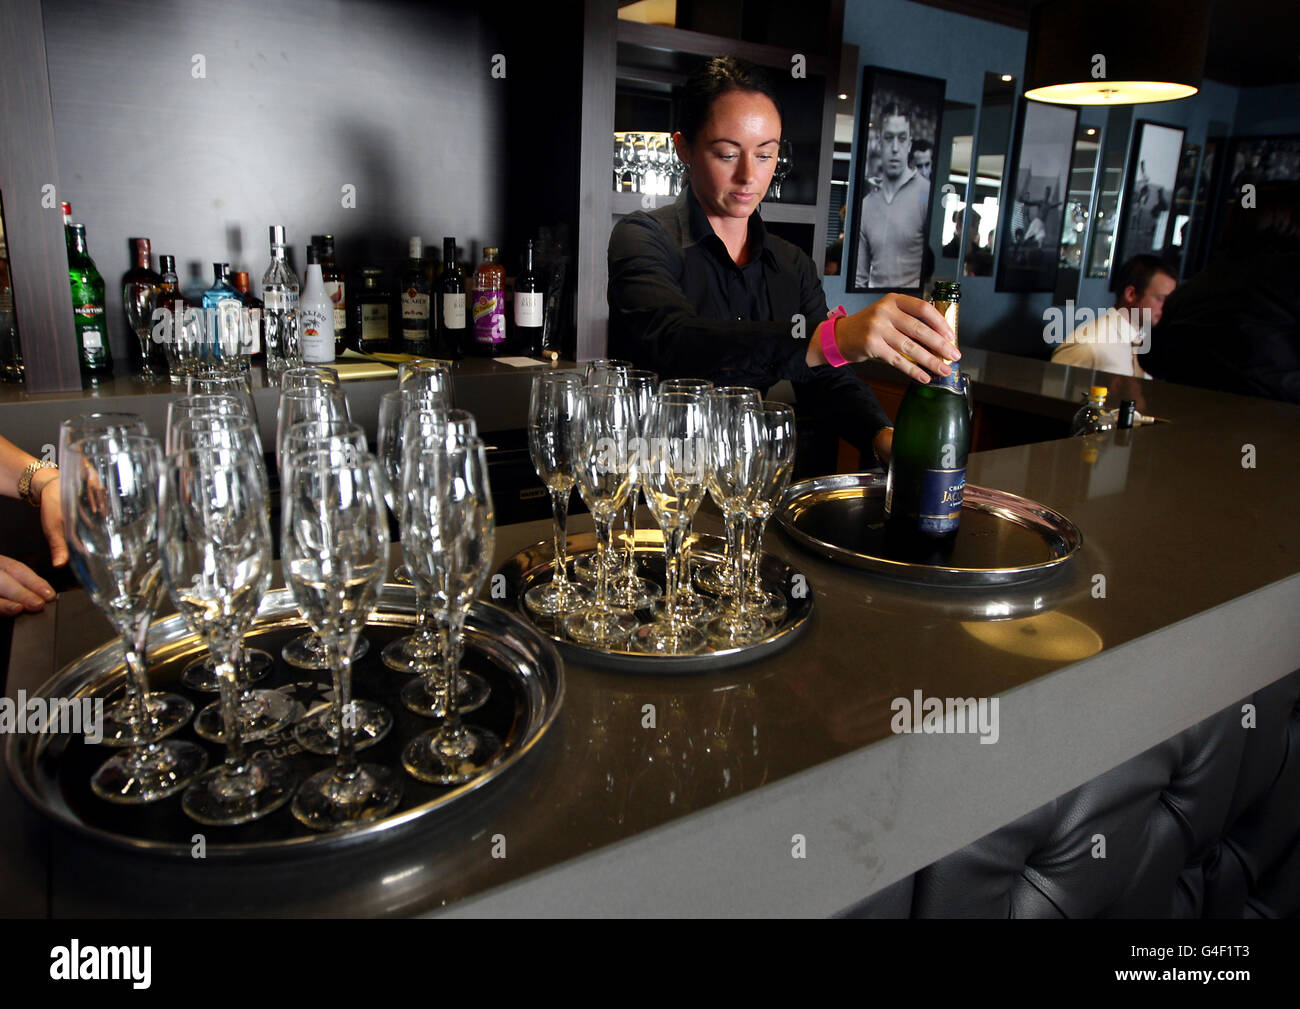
[942, 491]
[951, 382]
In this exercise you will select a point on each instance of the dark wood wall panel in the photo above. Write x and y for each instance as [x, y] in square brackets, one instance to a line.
[37, 252]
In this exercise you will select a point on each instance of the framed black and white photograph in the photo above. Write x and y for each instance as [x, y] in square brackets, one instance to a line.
[1147, 212]
[899, 116]
[1038, 182]
[1256, 171]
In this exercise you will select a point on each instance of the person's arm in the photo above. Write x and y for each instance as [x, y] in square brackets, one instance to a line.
[21, 588]
[652, 323]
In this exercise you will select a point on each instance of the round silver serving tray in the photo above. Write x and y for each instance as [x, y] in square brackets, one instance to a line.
[1003, 538]
[52, 769]
[533, 565]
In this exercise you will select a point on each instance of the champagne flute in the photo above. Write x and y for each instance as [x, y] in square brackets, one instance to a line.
[604, 469]
[138, 297]
[430, 378]
[308, 376]
[690, 605]
[554, 416]
[602, 371]
[168, 711]
[629, 591]
[674, 485]
[335, 549]
[110, 517]
[784, 163]
[215, 542]
[456, 518]
[735, 467]
[778, 464]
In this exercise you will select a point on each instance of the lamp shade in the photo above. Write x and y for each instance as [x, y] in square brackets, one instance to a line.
[1116, 52]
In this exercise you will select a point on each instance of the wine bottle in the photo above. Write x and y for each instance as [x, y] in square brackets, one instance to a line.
[253, 312]
[927, 462]
[530, 298]
[451, 304]
[93, 351]
[489, 305]
[413, 300]
[316, 317]
[139, 288]
[169, 315]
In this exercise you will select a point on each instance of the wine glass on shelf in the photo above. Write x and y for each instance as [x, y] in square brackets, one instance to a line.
[784, 163]
[627, 155]
[335, 549]
[604, 469]
[778, 464]
[629, 590]
[110, 517]
[215, 541]
[554, 417]
[455, 520]
[139, 294]
[674, 484]
[736, 444]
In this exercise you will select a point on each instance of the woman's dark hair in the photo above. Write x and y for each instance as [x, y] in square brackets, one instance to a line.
[710, 82]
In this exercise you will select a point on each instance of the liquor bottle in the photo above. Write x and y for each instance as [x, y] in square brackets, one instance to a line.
[489, 305]
[316, 317]
[413, 301]
[1090, 419]
[451, 304]
[370, 313]
[280, 312]
[927, 463]
[139, 288]
[66, 207]
[88, 306]
[223, 311]
[335, 287]
[253, 308]
[169, 314]
[530, 298]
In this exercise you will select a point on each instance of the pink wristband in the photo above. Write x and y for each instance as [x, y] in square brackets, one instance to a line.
[826, 337]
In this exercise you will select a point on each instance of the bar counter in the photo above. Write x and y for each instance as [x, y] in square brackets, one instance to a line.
[779, 788]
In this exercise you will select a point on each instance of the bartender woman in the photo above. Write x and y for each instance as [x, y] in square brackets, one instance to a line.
[700, 289]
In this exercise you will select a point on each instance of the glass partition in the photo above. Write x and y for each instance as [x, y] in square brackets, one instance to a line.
[997, 111]
[1115, 147]
[952, 178]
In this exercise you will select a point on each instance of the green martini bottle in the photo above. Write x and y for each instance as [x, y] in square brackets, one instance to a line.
[927, 464]
[88, 306]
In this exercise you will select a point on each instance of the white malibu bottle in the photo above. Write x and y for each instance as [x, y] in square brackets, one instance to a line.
[316, 319]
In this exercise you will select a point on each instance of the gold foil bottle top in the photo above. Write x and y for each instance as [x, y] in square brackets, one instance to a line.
[945, 295]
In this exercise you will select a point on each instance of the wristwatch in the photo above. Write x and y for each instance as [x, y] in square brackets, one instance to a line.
[25, 481]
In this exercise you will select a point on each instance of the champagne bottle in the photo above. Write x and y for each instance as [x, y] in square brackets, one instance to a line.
[927, 464]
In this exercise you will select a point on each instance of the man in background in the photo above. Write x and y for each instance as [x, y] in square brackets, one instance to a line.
[922, 158]
[1113, 340]
[891, 234]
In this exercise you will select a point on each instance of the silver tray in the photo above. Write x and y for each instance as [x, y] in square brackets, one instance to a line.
[1003, 538]
[533, 565]
[52, 770]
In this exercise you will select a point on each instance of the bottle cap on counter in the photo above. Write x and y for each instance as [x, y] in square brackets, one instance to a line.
[1099, 390]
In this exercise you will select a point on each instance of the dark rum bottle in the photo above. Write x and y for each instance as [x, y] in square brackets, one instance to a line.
[927, 463]
[413, 301]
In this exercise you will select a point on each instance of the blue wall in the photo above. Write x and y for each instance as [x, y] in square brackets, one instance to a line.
[915, 38]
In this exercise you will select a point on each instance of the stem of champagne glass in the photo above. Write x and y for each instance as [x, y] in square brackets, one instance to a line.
[674, 536]
[735, 522]
[604, 534]
[560, 513]
[227, 683]
[423, 642]
[451, 662]
[340, 660]
[142, 722]
[629, 522]
[755, 552]
[683, 557]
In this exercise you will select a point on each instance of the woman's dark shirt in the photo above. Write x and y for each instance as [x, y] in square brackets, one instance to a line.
[680, 306]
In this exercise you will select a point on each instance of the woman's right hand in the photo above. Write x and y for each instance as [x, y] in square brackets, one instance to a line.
[890, 328]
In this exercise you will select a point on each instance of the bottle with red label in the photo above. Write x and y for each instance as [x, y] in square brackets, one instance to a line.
[489, 309]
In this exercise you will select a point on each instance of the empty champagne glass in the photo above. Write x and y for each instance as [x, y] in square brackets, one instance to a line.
[602, 371]
[784, 163]
[690, 605]
[234, 383]
[735, 442]
[463, 521]
[110, 517]
[629, 590]
[308, 376]
[335, 549]
[554, 416]
[215, 542]
[138, 296]
[167, 711]
[778, 464]
[181, 408]
[674, 484]
[429, 378]
[604, 467]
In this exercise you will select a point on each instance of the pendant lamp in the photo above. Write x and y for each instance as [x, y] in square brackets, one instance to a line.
[1116, 52]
